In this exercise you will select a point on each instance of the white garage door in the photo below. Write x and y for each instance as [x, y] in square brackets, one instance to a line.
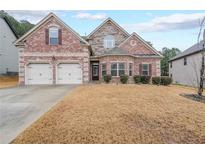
[39, 74]
[69, 74]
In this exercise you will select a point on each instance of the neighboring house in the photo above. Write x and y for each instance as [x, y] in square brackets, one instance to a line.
[52, 53]
[8, 51]
[185, 67]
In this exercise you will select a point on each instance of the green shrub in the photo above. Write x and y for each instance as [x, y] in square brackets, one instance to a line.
[124, 78]
[166, 80]
[137, 79]
[156, 80]
[145, 79]
[107, 78]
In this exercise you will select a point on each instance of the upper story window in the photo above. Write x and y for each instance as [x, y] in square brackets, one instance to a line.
[109, 42]
[171, 64]
[185, 61]
[53, 36]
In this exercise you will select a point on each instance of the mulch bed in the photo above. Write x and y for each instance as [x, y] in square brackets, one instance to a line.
[194, 97]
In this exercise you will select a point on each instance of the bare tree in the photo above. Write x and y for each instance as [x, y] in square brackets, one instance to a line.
[201, 82]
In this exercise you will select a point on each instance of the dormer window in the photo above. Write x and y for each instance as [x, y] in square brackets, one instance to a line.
[109, 42]
[53, 36]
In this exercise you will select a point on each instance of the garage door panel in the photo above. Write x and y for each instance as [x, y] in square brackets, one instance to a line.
[39, 74]
[69, 74]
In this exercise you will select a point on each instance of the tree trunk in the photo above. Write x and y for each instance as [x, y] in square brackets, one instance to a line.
[201, 84]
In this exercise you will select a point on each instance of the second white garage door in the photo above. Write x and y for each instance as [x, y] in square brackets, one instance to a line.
[69, 74]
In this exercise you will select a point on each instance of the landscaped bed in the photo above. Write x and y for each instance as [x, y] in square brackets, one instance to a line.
[121, 114]
[8, 81]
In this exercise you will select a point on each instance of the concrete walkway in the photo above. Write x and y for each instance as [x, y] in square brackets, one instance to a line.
[21, 106]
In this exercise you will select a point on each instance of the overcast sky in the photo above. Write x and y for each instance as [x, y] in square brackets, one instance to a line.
[163, 28]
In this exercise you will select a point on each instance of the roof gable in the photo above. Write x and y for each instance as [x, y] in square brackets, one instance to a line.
[136, 36]
[44, 20]
[103, 23]
[10, 26]
[196, 48]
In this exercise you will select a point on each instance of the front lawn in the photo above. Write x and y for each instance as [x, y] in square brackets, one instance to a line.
[8, 81]
[121, 114]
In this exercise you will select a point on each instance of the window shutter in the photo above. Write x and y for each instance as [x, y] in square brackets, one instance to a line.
[150, 69]
[60, 36]
[46, 36]
[140, 69]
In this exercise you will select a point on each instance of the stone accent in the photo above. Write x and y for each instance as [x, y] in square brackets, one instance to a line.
[158, 67]
[21, 66]
[130, 44]
[97, 39]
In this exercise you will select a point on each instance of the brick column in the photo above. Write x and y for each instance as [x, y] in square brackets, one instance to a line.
[85, 69]
[21, 67]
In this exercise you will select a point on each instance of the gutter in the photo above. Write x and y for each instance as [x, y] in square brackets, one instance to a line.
[126, 55]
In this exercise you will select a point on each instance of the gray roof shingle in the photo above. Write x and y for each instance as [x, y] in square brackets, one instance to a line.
[198, 47]
[116, 51]
[120, 51]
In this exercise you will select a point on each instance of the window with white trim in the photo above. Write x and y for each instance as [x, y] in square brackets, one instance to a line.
[145, 69]
[117, 69]
[104, 71]
[130, 69]
[109, 42]
[114, 69]
[53, 36]
[121, 69]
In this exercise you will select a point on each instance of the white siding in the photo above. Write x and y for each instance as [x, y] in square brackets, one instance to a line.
[186, 74]
[8, 52]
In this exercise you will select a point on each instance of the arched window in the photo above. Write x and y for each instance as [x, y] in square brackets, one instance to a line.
[53, 36]
[109, 41]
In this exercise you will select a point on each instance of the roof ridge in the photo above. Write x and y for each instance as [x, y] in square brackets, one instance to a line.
[143, 41]
[197, 47]
[43, 21]
[10, 26]
[105, 21]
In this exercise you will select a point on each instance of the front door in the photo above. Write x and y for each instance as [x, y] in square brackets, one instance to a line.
[95, 71]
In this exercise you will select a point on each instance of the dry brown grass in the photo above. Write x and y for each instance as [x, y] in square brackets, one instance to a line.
[8, 81]
[121, 114]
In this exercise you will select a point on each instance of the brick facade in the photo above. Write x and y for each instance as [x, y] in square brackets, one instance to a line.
[136, 50]
[35, 50]
[155, 63]
[134, 45]
[36, 41]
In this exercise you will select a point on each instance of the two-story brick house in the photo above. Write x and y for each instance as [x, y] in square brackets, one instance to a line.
[53, 53]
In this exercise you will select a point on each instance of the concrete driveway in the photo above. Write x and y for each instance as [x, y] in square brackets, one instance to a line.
[21, 106]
